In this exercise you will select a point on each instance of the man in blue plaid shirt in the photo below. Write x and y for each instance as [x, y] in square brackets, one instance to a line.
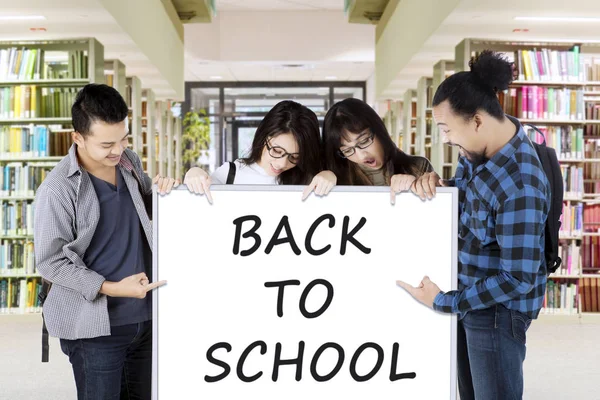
[504, 199]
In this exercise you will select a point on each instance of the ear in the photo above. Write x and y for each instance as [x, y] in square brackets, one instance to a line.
[78, 138]
[478, 120]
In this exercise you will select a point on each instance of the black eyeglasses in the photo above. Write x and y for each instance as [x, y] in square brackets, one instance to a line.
[279, 152]
[363, 144]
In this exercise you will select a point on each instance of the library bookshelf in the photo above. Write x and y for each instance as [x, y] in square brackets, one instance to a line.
[38, 83]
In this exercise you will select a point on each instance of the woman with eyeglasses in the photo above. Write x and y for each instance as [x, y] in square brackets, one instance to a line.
[286, 150]
[359, 150]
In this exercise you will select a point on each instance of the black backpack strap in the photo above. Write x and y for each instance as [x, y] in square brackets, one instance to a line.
[45, 343]
[42, 298]
[549, 159]
[231, 174]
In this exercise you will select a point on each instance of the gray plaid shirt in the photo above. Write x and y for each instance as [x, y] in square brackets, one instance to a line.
[66, 215]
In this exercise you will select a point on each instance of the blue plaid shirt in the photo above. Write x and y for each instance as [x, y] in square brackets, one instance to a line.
[504, 205]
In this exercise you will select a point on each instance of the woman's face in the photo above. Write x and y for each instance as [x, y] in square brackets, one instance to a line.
[363, 148]
[279, 154]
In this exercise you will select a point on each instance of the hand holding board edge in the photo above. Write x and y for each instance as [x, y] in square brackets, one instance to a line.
[425, 185]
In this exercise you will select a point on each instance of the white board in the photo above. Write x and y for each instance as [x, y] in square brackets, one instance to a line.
[215, 296]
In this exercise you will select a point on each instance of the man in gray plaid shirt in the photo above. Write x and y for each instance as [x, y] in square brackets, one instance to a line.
[92, 242]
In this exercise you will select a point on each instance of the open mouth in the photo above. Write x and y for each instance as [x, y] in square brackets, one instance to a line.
[370, 162]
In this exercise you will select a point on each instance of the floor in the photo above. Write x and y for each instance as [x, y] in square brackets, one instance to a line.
[563, 360]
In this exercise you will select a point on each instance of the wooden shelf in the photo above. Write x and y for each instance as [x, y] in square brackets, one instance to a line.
[559, 121]
[20, 276]
[16, 237]
[32, 159]
[564, 277]
[47, 82]
[16, 198]
[554, 83]
[38, 121]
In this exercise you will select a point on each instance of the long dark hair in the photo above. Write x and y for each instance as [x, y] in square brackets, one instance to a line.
[290, 117]
[355, 116]
[474, 90]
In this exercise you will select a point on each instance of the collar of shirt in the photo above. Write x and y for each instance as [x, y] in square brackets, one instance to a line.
[75, 167]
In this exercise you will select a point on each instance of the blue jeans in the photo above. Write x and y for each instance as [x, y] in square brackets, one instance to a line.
[118, 366]
[491, 352]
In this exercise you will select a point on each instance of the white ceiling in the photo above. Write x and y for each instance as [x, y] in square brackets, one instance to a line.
[276, 45]
[488, 19]
[67, 19]
[280, 5]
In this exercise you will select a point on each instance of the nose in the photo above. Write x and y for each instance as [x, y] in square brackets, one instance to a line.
[361, 153]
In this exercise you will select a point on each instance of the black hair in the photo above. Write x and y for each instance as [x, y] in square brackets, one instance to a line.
[355, 116]
[290, 117]
[477, 89]
[97, 102]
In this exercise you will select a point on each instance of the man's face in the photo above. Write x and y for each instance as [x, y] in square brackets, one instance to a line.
[456, 131]
[104, 144]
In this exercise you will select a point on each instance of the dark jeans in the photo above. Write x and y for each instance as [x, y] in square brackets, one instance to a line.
[491, 351]
[118, 366]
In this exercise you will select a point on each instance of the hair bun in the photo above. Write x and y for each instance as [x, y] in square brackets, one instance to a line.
[492, 70]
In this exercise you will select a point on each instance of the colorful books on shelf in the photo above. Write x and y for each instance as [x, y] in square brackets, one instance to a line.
[570, 254]
[547, 103]
[19, 296]
[550, 65]
[572, 181]
[567, 141]
[561, 298]
[571, 221]
[34, 141]
[29, 63]
[16, 218]
[21, 179]
[16, 258]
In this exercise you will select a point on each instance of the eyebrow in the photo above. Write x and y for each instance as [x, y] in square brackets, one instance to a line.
[127, 134]
[441, 123]
[276, 145]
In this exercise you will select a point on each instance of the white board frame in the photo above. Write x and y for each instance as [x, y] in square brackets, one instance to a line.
[299, 189]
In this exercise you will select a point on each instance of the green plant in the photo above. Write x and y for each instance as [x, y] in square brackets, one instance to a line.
[196, 136]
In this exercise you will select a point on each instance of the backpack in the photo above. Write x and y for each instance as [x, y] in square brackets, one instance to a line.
[231, 173]
[551, 166]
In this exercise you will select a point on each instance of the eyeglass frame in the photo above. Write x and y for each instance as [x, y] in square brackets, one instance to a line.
[285, 153]
[371, 138]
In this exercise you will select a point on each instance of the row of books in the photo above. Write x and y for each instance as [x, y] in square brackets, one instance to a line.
[571, 220]
[20, 295]
[561, 298]
[16, 218]
[592, 112]
[550, 65]
[536, 102]
[34, 141]
[570, 254]
[567, 141]
[589, 293]
[572, 181]
[16, 257]
[19, 179]
[28, 63]
[590, 253]
[30, 101]
[592, 69]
